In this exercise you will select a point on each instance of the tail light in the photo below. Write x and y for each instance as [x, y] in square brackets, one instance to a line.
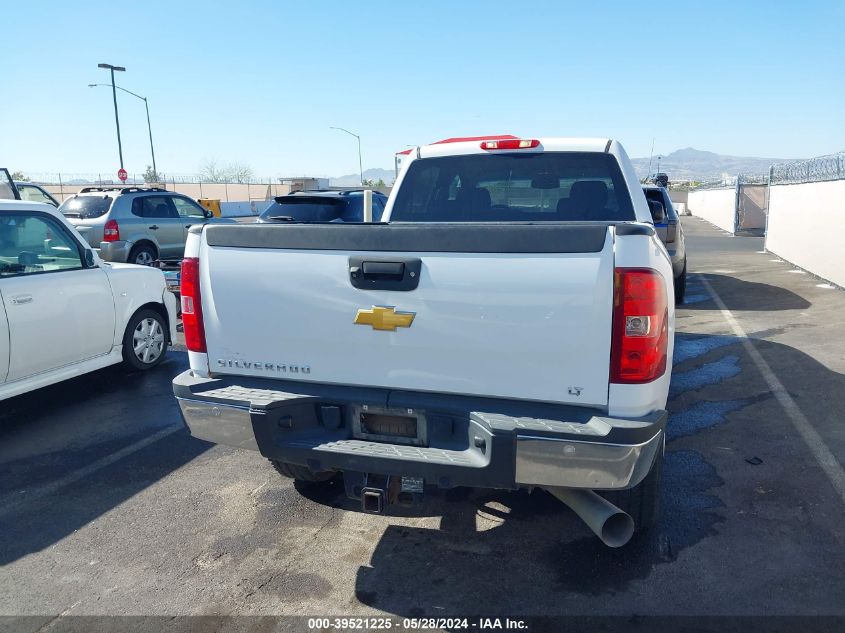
[508, 143]
[671, 231]
[192, 305]
[111, 232]
[640, 326]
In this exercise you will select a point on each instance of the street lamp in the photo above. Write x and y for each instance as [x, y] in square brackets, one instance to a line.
[360, 164]
[149, 127]
[658, 163]
[114, 96]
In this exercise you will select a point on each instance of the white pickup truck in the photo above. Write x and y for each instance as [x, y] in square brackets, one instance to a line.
[509, 324]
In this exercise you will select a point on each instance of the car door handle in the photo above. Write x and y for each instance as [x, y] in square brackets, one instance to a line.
[154, 227]
[22, 299]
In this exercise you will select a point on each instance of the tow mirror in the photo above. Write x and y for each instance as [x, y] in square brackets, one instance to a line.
[658, 211]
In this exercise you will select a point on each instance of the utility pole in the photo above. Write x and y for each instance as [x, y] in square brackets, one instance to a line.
[149, 127]
[360, 163]
[114, 96]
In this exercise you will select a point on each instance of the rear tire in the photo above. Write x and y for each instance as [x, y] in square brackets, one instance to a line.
[143, 255]
[145, 340]
[301, 473]
[642, 502]
[681, 285]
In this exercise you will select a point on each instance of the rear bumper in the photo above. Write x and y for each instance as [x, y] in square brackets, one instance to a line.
[115, 251]
[479, 442]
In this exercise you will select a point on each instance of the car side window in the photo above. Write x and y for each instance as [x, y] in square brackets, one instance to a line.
[33, 194]
[378, 208]
[157, 207]
[188, 208]
[31, 244]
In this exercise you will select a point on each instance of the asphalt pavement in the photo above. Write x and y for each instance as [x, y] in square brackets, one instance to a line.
[108, 506]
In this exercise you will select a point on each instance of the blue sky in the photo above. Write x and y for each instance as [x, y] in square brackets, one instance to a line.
[261, 82]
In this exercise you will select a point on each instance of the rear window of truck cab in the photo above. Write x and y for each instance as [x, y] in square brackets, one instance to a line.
[514, 187]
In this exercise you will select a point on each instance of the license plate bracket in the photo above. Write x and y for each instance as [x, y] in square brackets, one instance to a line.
[394, 426]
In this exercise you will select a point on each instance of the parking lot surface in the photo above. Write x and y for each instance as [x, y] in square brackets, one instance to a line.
[108, 506]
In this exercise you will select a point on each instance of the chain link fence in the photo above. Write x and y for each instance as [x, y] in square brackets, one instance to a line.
[820, 169]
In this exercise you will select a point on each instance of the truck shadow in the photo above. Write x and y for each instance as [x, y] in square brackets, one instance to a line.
[544, 546]
[738, 294]
[57, 445]
[496, 550]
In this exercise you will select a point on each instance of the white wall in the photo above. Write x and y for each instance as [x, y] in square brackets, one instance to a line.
[236, 209]
[806, 225]
[717, 206]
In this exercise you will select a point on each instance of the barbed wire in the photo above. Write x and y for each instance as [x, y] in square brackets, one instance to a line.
[819, 169]
[106, 178]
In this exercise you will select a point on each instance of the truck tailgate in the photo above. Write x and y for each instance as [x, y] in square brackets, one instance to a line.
[520, 321]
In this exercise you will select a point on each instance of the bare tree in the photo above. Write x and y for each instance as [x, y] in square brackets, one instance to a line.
[212, 171]
[240, 172]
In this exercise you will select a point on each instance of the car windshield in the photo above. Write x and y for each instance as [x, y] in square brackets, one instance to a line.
[86, 207]
[305, 209]
[513, 187]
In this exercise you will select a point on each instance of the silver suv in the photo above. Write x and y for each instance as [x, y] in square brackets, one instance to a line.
[133, 224]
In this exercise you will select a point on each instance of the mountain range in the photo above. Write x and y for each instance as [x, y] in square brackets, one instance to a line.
[682, 164]
[374, 174]
[695, 164]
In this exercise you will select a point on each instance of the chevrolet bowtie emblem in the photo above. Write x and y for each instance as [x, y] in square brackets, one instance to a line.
[384, 318]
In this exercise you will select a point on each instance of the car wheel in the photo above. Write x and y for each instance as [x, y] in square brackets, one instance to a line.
[681, 285]
[143, 255]
[642, 502]
[145, 340]
[301, 473]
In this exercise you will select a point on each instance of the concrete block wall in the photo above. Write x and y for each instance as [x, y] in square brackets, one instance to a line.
[717, 206]
[806, 225]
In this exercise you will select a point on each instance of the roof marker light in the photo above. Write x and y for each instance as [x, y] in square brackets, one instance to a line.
[510, 144]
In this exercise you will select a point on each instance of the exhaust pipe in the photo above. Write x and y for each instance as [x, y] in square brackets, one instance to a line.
[613, 526]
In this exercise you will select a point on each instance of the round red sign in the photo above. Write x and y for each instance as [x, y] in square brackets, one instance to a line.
[121, 173]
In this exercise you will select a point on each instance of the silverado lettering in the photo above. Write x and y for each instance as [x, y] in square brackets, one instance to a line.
[245, 364]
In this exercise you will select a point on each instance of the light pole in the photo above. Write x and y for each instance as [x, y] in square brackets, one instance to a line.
[360, 164]
[658, 163]
[114, 96]
[149, 127]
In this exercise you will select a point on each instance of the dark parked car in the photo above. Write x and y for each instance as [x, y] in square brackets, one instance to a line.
[323, 206]
[661, 179]
[672, 233]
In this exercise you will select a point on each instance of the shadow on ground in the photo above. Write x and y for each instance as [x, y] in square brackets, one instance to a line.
[497, 550]
[743, 295]
[49, 436]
